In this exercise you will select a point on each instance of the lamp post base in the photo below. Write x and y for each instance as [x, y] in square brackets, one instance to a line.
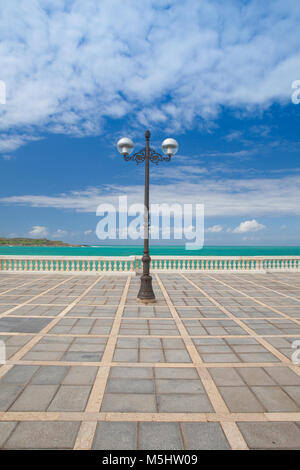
[146, 294]
[146, 301]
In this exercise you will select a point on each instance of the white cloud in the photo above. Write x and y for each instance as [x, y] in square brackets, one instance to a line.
[215, 229]
[249, 226]
[68, 65]
[88, 232]
[60, 233]
[221, 197]
[38, 231]
[9, 143]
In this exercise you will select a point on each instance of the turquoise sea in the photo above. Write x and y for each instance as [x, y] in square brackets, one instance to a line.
[123, 250]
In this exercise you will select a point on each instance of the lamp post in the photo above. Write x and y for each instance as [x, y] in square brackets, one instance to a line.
[147, 154]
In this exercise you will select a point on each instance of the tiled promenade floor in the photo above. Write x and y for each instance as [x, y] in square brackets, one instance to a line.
[207, 367]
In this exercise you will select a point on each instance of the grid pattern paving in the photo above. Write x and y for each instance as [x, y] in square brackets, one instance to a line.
[208, 366]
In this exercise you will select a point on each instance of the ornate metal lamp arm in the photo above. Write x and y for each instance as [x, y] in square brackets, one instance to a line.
[140, 156]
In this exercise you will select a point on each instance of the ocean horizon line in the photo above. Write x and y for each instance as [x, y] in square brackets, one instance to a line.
[155, 250]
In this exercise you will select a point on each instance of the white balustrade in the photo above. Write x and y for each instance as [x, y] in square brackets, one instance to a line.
[133, 264]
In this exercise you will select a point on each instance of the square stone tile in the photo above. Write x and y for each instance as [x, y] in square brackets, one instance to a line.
[81, 356]
[19, 374]
[220, 357]
[80, 375]
[283, 375]
[171, 386]
[226, 376]
[240, 400]
[282, 435]
[70, 398]
[133, 343]
[159, 436]
[294, 392]
[34, 398]
[43, 435]
[255, 376]
[180, 403]
[42, 356]
[258, 357]
[175, 373]
[152, 355]
[115, 436]
[118, 385]
[274, 399]
[126, 355]
[23, 325]
[175, 355]
[8, 394]
[6, 428]
[204, 436]
[130, 402]
[132, 372]
[50, 375]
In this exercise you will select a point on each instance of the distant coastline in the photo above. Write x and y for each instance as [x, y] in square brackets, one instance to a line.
[32, 242]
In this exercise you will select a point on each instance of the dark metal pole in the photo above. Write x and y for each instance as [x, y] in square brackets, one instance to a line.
[146, 292]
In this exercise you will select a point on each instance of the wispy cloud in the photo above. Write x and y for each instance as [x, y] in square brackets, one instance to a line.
[221, 197]
[69, 65]
[215, 229]
[11, 142]
[238, 154]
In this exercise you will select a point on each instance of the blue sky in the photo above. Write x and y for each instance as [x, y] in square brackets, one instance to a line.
[216, 76]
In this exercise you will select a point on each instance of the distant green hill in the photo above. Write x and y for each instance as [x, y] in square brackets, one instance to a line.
[30, 242]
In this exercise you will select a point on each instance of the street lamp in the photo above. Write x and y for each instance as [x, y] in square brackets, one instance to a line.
[147, 154]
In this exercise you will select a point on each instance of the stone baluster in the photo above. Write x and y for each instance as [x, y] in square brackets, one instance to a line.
[131, 264]
[72, 265]
[67, 265]
[81, 265]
